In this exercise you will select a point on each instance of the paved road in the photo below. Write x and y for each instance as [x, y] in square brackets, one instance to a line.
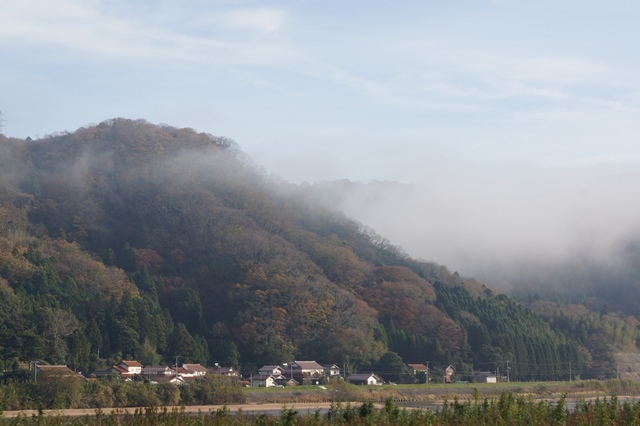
[303, 408]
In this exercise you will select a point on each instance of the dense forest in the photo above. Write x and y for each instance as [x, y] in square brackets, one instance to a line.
[132, 240]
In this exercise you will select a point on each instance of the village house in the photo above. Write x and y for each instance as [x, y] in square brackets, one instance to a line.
[271, 370]
[307, 368]
[368, 379]
[149, 371]
[331, 370]
[132, 367]
[193, 370]
[419, 369]
[126, 369]
[224, 371]
[306, 372]
[262, 381]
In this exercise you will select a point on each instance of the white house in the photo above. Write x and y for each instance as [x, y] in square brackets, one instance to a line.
[364, 379]
[132, 367]
[271, 370]
[260, 381]
[126, 369]
[331, 370]
[307, 369]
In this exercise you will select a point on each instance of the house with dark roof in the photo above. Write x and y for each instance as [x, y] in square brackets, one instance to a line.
[262, 381]
[418, 368]
[307, 372]
[419, 372]
[485, 377]
[368, 379]
[331, 370]
[271, 370]
[307, 368]
[195, 370]
[149, 371]
[224, 371]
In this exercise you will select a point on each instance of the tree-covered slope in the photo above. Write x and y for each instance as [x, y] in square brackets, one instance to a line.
[135, 240]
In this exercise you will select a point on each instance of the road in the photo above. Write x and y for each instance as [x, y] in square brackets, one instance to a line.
[272, 409]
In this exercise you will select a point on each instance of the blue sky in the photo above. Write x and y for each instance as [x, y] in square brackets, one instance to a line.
[518, 120]
[332, 89]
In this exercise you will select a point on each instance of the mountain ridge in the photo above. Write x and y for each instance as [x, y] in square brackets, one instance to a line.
[224, 264]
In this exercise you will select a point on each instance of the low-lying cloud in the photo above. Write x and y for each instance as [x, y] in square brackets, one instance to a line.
[498, 224]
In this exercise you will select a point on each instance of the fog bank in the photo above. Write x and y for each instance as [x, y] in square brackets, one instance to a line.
[502, 223]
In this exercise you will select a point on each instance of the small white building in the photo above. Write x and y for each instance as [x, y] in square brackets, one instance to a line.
[260, 381]
[331, 370]
[369, 379]
[485, 377]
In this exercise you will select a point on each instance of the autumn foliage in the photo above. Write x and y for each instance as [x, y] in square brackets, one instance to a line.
[127, 239]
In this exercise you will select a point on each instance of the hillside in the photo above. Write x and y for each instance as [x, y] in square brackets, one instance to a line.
[127, 239]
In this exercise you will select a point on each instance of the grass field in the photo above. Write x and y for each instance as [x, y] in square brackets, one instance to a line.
[440, 392]
[514, 404]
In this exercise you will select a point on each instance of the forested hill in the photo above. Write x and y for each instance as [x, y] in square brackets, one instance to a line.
[127, 239]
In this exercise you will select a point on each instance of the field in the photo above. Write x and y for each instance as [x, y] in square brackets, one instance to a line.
[441, 392]
[583, 402]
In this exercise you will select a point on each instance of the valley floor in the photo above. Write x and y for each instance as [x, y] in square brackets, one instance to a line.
[309, 399]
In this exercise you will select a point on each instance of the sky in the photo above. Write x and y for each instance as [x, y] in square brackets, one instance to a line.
[508, 106]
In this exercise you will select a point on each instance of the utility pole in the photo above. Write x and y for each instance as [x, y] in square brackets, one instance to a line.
[1, 123]
[569, 371]
[508, 368]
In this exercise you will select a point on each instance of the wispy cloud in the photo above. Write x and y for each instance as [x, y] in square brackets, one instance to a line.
[267, 20]
[92, 28]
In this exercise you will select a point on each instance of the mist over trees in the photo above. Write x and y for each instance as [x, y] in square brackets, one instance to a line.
[569, 232]
[127, 239]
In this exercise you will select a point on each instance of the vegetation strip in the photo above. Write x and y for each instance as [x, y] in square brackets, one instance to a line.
[507, 409]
